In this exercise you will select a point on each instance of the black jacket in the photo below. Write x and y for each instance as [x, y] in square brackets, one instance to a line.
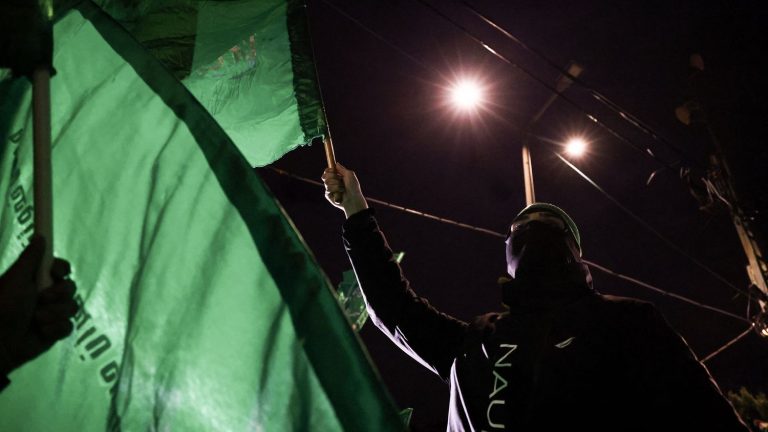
[583, 361]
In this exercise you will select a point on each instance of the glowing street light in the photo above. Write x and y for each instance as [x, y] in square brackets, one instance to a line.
[576, 146]
[466, 95]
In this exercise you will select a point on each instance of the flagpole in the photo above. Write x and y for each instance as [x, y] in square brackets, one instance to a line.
[39, 68]
[41, 117]
[330, 155]
[43, 183]
[29, 53]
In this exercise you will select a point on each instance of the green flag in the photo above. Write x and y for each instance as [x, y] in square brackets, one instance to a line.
[202, 309]
[248, 62]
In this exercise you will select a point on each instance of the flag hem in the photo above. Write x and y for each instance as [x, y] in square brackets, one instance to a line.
[305, 83]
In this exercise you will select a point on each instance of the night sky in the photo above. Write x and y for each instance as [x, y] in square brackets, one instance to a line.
[385, 100]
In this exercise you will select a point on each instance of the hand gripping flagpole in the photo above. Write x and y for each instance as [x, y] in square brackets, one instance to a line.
[330, 158]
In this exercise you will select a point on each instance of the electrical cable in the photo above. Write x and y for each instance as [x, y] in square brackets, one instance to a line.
[396, 207]
[597, 95]
[724, 347]
[381, 38]
[653, 230]
[645, 151]
[666, 293]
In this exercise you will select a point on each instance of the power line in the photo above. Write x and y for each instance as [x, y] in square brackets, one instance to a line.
[653, 230]
[724, 347]
[597, 95]
[397, 207]
[381, 38]
[500, 235]
[645, 151]
[660, 291]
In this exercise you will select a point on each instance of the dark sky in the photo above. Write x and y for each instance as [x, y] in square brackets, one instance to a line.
[389, 124]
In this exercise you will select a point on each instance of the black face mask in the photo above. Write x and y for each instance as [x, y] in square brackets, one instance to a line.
[539, 251]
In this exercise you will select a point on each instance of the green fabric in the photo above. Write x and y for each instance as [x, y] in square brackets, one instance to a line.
[406, 415]
[202, 309]
[249, 62]
[351, 297]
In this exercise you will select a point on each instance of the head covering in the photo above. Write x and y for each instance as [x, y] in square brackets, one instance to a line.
[551, 208]
[544, 263]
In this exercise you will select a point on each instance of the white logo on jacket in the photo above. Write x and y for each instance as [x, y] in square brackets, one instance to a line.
[499, 383]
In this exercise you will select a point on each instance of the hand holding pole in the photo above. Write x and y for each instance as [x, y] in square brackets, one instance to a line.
[330, 157]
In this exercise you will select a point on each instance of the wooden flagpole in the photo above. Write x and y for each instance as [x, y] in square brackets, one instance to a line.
[43, 186]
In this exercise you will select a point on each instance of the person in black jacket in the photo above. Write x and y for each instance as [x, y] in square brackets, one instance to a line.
[561, 357]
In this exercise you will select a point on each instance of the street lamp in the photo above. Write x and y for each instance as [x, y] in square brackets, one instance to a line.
[466, 94]
[576, 146]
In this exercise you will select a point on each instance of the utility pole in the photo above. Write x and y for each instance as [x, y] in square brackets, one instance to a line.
[757, 269]
[717, 186]
[563, 82]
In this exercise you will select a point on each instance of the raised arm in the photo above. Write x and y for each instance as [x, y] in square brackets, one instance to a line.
[429, 336]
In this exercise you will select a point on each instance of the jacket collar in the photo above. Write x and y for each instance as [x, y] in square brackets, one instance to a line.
[541, 295]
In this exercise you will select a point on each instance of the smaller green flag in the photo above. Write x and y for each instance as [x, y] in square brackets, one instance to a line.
[351, 300]
[405, 416]
[351, 297]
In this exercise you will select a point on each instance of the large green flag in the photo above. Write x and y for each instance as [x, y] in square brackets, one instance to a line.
[202, 309]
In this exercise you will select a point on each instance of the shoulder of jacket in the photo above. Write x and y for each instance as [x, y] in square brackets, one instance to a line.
[616, 306]
[484, 324]
[624, 302]
[486, 319]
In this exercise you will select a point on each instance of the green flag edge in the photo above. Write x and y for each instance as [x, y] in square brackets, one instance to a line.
[305, 81]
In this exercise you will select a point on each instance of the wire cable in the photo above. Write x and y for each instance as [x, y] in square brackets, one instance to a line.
[597, 95]
[397, 207]
[666, 293]
[616, 134]
[500, 235]
[653, 230]
[382, 38]
[724, 347]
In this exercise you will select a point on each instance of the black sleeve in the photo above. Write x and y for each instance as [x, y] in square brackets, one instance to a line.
[681, 392]
[429, 336]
